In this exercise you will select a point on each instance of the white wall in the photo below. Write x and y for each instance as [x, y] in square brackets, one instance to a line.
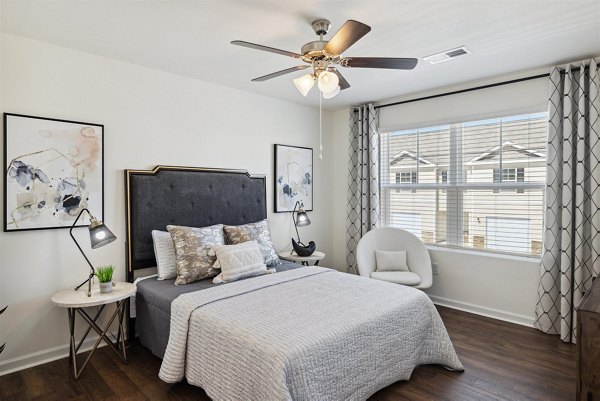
[499, 286]
[150, 118]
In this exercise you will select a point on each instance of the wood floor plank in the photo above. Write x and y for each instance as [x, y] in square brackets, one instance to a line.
[503, 361]
[11, 385]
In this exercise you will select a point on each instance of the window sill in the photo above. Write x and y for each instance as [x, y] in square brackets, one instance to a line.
[489, 254]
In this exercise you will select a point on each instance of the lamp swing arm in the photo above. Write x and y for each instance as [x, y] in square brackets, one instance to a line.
[294, 221]
[81, 250]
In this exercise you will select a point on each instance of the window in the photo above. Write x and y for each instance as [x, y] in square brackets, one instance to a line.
[445, 177]
[406, 178]
[509, 175]
[475, 184]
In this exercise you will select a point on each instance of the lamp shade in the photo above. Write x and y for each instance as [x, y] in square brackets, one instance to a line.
[302, 219]
[328, 81]
[100, 235]
[304, 83]
[331, 94]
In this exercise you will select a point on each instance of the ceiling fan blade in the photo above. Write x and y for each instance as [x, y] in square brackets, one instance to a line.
[379, 62]
[279, 73]
[348, 35]
[266, 48]
[343, 83]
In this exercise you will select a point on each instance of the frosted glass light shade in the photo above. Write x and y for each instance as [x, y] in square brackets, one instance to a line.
[328, 81]
[331, 94]
[304, 83]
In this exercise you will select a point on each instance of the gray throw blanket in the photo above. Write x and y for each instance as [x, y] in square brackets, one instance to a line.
[306, 334]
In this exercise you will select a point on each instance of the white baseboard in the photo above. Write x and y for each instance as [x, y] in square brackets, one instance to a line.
[44, 356]
[523, 320]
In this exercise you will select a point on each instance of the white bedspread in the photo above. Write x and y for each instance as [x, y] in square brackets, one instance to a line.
[305, 334]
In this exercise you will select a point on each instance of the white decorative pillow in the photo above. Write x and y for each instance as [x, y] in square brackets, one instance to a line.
[391, 261]
[164, 251]
[239, 261]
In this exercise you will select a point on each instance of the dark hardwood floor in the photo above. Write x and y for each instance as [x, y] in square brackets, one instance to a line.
[502, 361]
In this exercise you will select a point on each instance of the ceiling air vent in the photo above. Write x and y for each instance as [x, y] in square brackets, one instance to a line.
[447, 55]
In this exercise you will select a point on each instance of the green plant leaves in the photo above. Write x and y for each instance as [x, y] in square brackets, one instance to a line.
[105, 273]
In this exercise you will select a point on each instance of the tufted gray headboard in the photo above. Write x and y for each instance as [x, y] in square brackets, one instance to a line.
[188, 196]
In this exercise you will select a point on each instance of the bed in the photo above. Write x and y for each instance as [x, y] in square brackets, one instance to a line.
[304, 333]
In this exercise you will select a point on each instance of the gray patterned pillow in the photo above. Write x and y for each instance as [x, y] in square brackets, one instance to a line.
[191, 250]
[259, 232]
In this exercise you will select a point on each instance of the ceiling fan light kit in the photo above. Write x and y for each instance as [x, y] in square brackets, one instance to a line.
[328, 81]
[332, 93]
[304, 83]
[323, 56]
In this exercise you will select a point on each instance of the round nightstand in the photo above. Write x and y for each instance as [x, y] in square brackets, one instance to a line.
[77, 301]
[304, 260]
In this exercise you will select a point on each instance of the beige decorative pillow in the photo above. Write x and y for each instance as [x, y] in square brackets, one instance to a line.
[389, 261]
[259, 232]
[192, 246]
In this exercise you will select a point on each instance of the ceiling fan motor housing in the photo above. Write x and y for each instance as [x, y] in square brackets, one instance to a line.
[313, 49]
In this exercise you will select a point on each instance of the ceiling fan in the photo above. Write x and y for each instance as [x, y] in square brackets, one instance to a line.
[324, 57]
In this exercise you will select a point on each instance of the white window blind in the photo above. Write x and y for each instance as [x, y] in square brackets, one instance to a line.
[476, 184]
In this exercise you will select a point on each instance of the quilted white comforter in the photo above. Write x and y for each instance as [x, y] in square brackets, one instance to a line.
[306, 334]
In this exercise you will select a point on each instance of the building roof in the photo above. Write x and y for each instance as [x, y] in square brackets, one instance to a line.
[495, 151]
[410, 155]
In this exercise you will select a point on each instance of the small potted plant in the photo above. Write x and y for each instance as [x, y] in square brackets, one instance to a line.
[104, 275]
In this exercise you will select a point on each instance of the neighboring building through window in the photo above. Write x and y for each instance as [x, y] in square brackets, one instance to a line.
[476, 184]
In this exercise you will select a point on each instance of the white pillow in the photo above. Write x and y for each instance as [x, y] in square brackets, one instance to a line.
[391, 261]
[164, 250]
[239, 261]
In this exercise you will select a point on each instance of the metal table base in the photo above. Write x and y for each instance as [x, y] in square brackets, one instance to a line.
[118, 347]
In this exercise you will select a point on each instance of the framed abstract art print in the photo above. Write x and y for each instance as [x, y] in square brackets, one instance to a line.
[53, 169]
[293, 177]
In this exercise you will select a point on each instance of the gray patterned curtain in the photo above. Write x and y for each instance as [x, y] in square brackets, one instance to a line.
[363, 179]
[571, 250]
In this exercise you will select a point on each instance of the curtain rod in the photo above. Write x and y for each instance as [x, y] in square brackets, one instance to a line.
[476, 88]
[512, 81]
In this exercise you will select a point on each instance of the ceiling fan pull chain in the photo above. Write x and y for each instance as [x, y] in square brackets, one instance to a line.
[320, 128]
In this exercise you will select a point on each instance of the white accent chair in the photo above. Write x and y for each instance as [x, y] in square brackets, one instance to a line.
[395, 239]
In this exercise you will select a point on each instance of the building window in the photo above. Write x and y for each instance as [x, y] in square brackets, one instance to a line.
[444, 177]
[509, 175]
[480, 183]
[406, 178]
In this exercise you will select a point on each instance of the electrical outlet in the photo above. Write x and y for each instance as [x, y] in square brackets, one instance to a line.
[434, 268]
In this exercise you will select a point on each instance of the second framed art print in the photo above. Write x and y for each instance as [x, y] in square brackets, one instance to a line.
[293, 177]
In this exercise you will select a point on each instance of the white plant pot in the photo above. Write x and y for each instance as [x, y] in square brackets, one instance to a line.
[106, 287]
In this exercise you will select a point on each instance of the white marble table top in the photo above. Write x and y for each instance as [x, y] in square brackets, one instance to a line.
[295, 258]
[79, 299]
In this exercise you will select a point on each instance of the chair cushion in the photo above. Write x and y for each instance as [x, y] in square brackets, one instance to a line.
[406, 278]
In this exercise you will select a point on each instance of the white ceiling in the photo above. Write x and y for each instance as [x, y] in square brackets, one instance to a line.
[192, 38]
